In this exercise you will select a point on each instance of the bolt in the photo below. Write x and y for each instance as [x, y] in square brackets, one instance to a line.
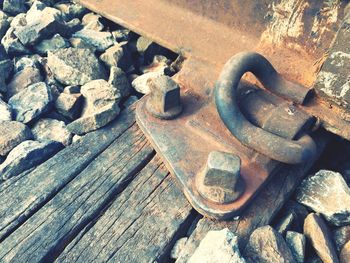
[220, 180]
[164, 100]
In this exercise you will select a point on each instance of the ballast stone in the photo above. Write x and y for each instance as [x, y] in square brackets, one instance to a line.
[54, 43]
[316, 230]
[218, 247]
[52, 130]
[27, 155]
[101, 107]
[100, 40]
[266, 245]
[23, 79]
[12, 133]
[14, 7]
[5, 111]
[42, 24]
[75, 66]
[31, 102]
[326, 193]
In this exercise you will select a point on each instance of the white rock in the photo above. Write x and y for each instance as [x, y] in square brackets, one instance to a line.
[27, 155]
[100, 40]
[5, 111]
[178, 247]
[326, 193]
[218, 247]
[52, 130]
[140, 84]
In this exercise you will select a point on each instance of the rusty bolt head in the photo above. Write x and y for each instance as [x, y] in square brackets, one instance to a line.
[220, 179]
[164, 100]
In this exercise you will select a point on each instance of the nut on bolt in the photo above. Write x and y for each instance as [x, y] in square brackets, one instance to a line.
[220, 180]
[164, 100]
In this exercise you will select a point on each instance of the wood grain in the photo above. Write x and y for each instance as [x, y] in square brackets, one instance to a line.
[141, 225]
[45, 234]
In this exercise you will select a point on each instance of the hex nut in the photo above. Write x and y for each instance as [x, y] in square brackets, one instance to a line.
[220, 180]
[164, 100]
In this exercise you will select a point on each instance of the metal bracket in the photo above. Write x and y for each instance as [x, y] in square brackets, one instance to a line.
[188, 140]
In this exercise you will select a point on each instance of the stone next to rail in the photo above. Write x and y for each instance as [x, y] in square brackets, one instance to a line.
[333, 82]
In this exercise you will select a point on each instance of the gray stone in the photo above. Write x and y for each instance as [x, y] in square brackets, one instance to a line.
[141, 84]
[100, 40]
[341, 235]
[69, 105]
[21, 80]
[27, 61]
[98, 93]
[12, 44]
[71, 27]
[113, 56]
[5, 111]
[26, 155]
[101, 107]
[12, 133]
[53, 114]
[6, 67]
[56, 42]
[43, 24]
[327, 193]
[4, 24]
[333, 82]
[345, 253]
[52, 130]
[71, 10]
[121, 35]
[73, 66]
[71, 89]
[316, 230]
[218, 247]
[95, 120]
[14, 7]
[119, 80]
[284, 224]
[296, 243]
[31, 102]
[292, 218]
[266, 245]
[178, 247]
[80, 43]
[92, 21]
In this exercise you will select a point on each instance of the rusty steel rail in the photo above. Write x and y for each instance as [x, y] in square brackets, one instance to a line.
[291, 34]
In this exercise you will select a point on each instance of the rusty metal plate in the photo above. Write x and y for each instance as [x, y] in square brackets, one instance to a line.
[185, 142]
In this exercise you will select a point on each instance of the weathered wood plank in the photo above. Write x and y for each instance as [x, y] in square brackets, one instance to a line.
[24, 195]
[140, 226]
[264, 207]
[46, 233]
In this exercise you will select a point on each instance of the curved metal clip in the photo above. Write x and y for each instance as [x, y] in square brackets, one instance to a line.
[269, 144]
